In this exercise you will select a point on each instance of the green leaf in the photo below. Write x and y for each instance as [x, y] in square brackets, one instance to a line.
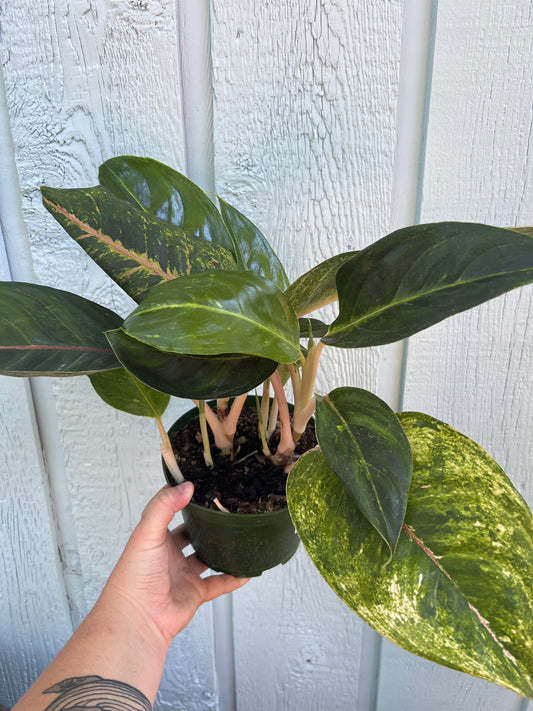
[195, 377]
[318, 286]
[251, 248]
[166, 194]
[419, 275]
[217, 312]
[46, 331]
[136, 249]
[125, 392]
[367, 449]
[458, 589]
[312, 326]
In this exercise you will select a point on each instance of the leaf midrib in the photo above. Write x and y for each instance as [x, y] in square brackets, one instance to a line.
[148, 264]
[434, 559]
[142, 393]
[38, 347]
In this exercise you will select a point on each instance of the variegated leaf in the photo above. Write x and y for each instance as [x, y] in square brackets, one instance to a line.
[420, 275]
[367, 449]
[251, 248]
[318, 286]
[459, 588]
[218, 312]
[166, 194]
[136, 249]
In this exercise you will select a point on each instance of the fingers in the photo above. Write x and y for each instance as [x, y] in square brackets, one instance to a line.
[195, 564]
[161, 509]
[216, 585]
[181, 540]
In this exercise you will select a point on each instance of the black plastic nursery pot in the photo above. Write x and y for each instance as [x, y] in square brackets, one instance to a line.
[242, 544]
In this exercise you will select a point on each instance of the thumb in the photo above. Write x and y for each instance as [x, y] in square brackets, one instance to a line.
[160, 511]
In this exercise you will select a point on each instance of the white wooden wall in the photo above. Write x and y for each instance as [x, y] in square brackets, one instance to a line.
[329, 123]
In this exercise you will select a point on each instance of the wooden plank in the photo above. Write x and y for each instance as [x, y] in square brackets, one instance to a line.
[305, 100]
[29, 564]
[34, 615]
[85, 82]
[474, 371]
[415, 685]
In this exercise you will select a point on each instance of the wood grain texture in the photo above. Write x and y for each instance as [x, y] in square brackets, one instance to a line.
[296, 643]
[409, 684]
[30, 567]
[305, 99]
[474, 371]
[34, 616]
[85, 81]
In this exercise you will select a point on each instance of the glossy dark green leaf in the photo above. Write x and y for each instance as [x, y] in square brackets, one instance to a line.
[318, 286]
[46, 331]
[459, 587]
[218, 312]
[251, 248]
[166, 194]
[367, 449]
[136, 249]
[419, 275]
[123, 391]
[194, 377]
[312, 327]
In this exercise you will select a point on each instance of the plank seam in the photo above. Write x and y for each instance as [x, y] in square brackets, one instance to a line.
[412, 113]
[194, 50]
[19, 267]
[196, 75]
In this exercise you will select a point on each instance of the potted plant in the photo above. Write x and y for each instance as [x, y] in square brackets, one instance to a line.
[412, 524]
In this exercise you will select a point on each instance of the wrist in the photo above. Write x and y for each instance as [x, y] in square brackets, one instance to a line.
[126, 646]
[116, 609]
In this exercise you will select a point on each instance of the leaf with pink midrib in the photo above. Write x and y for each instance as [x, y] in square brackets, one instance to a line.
[134, 248]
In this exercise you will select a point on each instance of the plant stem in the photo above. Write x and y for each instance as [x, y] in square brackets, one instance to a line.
[168, 454]
[222, 408]
[205, 436]
[219, 506]
[296, 380]
[310, 369]
[230, 423]
[286, 443]
[304, 402]
[272, 418]
[265, 400]
[261, 426]
[217, 428]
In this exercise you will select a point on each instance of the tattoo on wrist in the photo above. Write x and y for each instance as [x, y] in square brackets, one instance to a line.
[96, 693]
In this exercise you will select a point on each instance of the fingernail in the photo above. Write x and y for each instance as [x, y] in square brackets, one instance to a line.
[186, 488]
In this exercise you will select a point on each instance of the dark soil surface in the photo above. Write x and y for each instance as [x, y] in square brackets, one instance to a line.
[250, 483]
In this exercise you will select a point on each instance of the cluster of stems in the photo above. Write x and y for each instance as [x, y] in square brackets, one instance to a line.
[223, 421]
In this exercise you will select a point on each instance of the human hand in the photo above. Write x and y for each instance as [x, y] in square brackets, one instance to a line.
[154, 579]
[118, 652]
